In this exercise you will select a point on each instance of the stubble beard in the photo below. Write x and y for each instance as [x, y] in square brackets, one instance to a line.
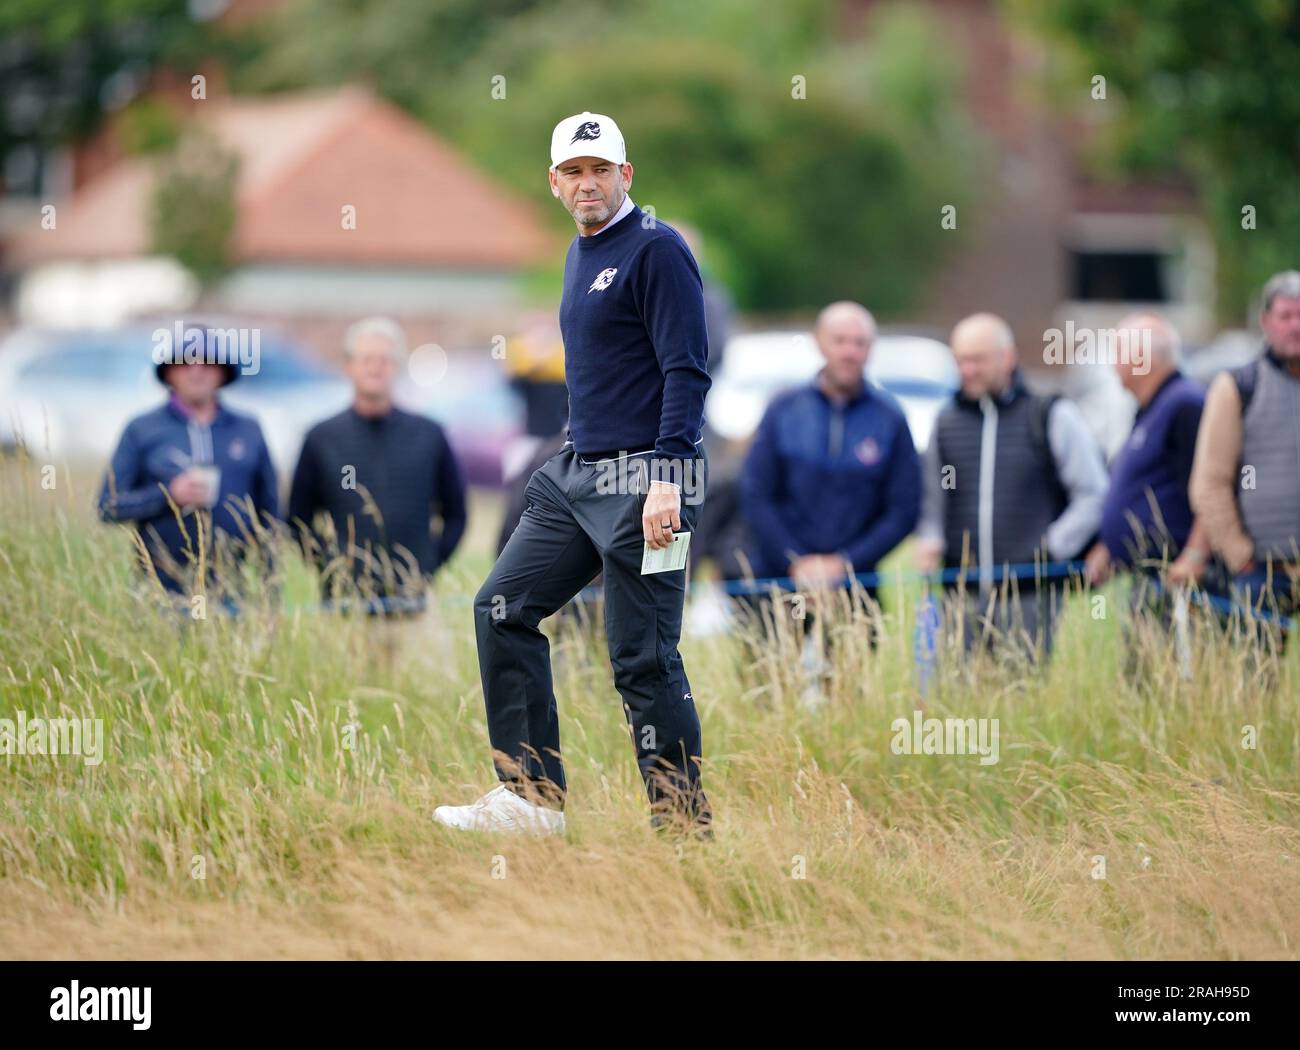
[591, 217]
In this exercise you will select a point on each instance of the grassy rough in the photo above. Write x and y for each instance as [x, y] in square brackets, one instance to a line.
[226, 756]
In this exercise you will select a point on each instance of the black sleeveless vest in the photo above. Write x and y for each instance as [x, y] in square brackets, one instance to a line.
[1026, 494]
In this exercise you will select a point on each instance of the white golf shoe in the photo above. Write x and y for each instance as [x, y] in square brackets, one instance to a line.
[502, 810]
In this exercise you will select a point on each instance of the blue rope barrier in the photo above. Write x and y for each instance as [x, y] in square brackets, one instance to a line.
[1027, 571]
[1018, 571]
[1229, 607]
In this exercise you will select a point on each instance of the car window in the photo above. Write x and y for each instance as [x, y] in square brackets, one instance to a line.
[278, 365]
[493, 402]
[87, 363]
[912, 359]
[904, 387]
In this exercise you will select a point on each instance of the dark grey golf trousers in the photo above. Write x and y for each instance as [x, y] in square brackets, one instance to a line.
[584, 518]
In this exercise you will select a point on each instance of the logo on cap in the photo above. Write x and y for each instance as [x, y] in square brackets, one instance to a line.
[589, 130]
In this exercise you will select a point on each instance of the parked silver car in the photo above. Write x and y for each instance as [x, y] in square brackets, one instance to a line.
[68, 394]
[917, 371]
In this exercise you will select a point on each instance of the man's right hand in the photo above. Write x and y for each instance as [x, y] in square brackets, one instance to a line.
[1096, 565]
[188, 489]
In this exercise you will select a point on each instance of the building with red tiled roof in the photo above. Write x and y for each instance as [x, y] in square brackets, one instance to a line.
[428, 235]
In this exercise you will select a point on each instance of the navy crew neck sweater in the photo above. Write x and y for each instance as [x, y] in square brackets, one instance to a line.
[404, 467]
[635, 344]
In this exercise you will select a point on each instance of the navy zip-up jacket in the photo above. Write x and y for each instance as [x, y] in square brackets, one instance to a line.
[827, 478]
[159, 445]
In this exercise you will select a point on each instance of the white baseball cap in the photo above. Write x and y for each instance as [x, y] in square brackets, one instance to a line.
[587, 135]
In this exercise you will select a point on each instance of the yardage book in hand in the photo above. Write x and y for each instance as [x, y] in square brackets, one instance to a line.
[668, 558]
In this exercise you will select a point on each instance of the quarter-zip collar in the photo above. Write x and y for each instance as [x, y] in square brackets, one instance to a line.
[177, 408]
[1014, 389]
[838, 407]
[202, 447]
[863, 392]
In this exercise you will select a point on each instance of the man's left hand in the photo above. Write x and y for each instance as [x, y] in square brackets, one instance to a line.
[661, 516]
[1185, 570]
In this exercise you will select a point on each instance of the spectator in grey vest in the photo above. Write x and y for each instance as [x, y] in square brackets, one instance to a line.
[1246, 476]
[1011, 479]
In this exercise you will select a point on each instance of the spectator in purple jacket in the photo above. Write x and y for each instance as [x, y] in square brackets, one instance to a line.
[1147, 524]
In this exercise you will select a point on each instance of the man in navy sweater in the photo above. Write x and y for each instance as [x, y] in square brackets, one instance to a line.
[381, 475]
[632, 473]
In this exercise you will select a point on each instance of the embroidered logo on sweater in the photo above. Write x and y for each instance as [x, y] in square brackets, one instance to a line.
[868, 452]
[603, 280]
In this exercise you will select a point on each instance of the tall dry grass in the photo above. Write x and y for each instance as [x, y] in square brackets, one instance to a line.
[227, 756]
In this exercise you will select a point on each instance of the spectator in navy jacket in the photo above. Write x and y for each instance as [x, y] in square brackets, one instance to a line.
[193, 477]
[832, 482]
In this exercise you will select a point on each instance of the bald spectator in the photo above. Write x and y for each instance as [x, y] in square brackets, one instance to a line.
[1246, 476]
[831, 484]
[1011, 478]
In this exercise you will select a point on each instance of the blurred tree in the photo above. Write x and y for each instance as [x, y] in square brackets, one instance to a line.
[409, 51]
[63, 66]
[193, 207]
[799, 200]
[1208, 88]
[148, 126]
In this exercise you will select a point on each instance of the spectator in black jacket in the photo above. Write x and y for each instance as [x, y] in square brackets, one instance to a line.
[381, 475]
